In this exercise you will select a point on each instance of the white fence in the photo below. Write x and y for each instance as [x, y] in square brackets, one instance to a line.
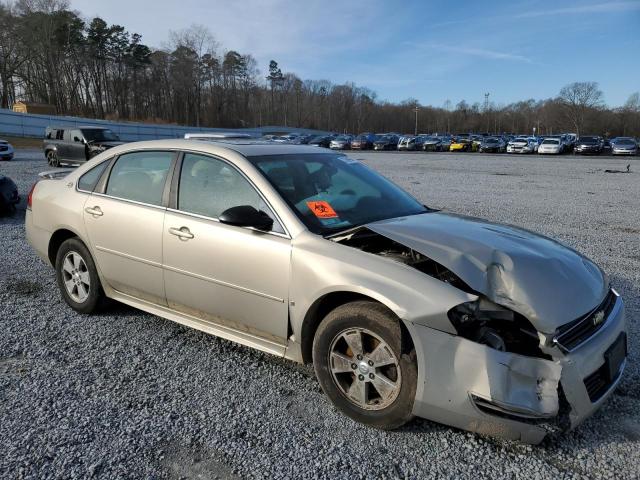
[32, 125]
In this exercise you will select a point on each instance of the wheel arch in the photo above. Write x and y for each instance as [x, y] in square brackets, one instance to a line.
[56, 240]
[328, 302]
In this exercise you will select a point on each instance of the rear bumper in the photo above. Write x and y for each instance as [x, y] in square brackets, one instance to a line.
[37, 237]
[470, 386]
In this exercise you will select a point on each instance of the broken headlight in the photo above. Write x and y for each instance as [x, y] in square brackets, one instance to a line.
[487, 323]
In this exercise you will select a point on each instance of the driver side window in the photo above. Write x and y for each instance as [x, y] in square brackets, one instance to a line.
[209, 187]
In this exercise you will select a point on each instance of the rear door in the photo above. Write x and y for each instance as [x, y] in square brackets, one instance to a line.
[235, 278]
[124, 219]
[61, 144]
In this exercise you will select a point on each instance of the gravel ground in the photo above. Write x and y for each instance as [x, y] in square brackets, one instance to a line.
[127, 394]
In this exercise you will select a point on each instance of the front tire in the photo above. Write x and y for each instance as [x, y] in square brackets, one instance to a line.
[77, 277]
[365, 366]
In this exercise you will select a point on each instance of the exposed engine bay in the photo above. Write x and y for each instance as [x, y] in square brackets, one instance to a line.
[481, 321]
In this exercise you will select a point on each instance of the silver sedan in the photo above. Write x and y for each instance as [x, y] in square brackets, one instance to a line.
[403, 310]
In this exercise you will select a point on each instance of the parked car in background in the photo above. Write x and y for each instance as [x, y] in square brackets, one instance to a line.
[624, 146]
[342, 142]
[433, 144]
[492, 145]
[303, 139]
[588, 145]
[386, 142]
[364, 141]
[562, 141]
[476, 141]
[550, 146]
[76, 145]
[407, 142]
[308, 255]
[420, 140]
[321, 141]
[461, 144]
[9, 197]
[6, 150]
[522, 145]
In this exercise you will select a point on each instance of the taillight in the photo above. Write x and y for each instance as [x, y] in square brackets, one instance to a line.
[30, 196]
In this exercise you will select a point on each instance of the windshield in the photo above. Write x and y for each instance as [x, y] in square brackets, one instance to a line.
[343, 138]
[331, 192]
[623, 141]
[491, 140]
[99, 135]
[550, 141]
[587, 140]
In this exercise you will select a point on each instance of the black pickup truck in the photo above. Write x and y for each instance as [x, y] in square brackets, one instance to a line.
[76, 145]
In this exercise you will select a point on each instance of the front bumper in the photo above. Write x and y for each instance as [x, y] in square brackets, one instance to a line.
[473, 387]
[587, 150]
[620, 151]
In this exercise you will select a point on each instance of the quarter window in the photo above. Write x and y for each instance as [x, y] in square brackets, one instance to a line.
[209, 187]
[89, 180]
[140, 176]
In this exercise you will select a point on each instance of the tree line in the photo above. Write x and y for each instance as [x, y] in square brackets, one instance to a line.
[50, 54]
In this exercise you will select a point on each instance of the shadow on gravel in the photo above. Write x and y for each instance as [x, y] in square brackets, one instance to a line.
[23, 287]
[191, 462]
[17, 218]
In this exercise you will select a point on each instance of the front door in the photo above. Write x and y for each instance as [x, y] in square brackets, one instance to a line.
[77, 147]
[125, 222]
[233, 277]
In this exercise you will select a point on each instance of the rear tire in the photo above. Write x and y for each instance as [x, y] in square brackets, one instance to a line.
[380, 390]
[52, 159]
[77, 277]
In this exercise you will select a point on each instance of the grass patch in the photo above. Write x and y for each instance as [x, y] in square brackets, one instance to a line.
[23, 142]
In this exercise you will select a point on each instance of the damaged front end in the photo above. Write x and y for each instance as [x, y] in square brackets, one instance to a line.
[500, 375]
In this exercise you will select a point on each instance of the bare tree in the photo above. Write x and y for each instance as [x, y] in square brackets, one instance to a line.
[578, 99]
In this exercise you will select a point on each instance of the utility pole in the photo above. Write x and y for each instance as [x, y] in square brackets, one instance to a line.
[486, 108]
[415, 132]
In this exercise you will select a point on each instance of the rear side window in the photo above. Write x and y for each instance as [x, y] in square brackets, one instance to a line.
[140, 176]
[89, 180]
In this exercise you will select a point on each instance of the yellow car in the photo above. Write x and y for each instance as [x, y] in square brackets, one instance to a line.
[460, 145]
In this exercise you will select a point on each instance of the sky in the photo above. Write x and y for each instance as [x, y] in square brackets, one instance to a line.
[432, 51]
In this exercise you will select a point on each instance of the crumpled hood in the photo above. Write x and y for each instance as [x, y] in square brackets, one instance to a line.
[547, 282]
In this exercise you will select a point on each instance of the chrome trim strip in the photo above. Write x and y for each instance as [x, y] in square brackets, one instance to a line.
[158, 207]
[203, 217]
[613, 314]
[129, 257]
[224, 284]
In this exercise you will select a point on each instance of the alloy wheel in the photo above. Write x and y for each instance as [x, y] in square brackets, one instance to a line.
[75, 275]
[364, 368]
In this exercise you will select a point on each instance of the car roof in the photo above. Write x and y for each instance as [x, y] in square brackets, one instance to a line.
[245, 147]
[76, 127]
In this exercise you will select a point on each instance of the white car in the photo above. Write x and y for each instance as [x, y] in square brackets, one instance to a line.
[521, 145]
[6, 150]
[550, 146]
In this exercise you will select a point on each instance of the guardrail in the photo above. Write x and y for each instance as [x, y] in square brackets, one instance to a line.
[33, 125]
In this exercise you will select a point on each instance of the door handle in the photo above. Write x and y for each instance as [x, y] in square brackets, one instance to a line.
[182, 232]
[95, 211]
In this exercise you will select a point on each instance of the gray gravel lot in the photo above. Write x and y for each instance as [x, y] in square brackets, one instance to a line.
[128, 394]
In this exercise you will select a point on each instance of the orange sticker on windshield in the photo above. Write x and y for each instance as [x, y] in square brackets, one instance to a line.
[322, 209]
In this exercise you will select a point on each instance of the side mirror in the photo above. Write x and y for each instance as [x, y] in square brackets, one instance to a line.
[77, 139]
[246, 216]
